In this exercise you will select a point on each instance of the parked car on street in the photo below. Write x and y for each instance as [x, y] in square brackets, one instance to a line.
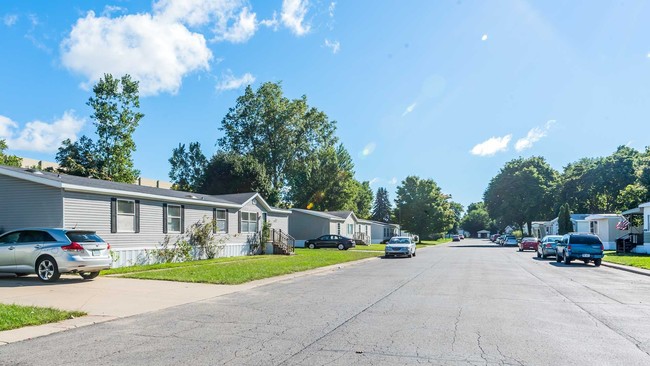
[510, 240]
[50, 252]
[330, 241]
[461, 236]
[584, 247]
[455, 238]
[528, 243]
[400, 245]
[547, 246]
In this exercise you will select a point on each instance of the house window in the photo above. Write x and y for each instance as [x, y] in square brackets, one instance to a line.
[220, 219]
[248, 222]
[594, 227]
[350, 228]
[173, 218]
[338, 229]
[125, 216]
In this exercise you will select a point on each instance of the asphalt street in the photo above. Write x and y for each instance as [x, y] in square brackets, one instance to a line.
[466, 303]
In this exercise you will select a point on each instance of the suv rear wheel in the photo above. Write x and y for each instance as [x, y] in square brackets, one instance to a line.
[597, 262]
[567, 261]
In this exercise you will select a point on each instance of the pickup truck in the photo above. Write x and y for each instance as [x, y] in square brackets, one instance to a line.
[584, 247]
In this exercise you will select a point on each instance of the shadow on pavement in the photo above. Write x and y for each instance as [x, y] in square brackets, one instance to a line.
[476, 246]
[572, 265]
[31, 280]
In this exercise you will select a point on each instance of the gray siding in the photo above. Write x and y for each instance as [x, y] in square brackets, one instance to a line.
[304, 226]
[23, 204]
[279, 222]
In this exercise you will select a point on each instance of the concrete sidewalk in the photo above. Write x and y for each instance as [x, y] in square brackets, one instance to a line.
[108, 298]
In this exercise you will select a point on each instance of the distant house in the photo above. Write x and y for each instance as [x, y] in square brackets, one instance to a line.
[604, 225]
[309, 224]
[580, 225]
[382, 231]
[483, 234]
[132, 218]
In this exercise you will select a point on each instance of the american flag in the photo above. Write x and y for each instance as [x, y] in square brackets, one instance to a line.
[623, 225]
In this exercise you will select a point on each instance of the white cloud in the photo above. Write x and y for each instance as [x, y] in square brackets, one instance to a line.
[243, 29]
[331, 8]
[335, 46]
[484, 38]
[492, 146]
[534, 135]
[409, 109]
[153, 51]
[230, 82]
[41, 136]
[368, 149]
[392, 181]
[110, 9]
[10, 19]
[374, 180]
[272, 23]
[293, 16]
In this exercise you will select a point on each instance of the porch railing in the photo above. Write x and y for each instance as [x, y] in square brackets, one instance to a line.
[283, 243]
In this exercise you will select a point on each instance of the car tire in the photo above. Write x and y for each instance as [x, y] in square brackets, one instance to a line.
[47, 270]
[21, 274]
[557, 258]
[567, 261]
[341, 247]
[597, 262]
[539, 255]
[521, 250]
[414, 253]
[312, 246]
[586, 261]
[88, 275]
[544, 255]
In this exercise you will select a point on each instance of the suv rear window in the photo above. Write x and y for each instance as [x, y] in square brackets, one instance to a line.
[83, 237]
[584, 239]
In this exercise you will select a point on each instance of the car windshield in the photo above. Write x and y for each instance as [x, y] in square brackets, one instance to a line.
[399, 241]
[83, 237]
[553, 238]
[585, 239]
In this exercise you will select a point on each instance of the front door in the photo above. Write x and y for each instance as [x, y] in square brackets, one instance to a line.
[7, 252]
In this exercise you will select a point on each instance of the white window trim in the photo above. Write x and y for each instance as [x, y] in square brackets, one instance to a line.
[225, 220]
[118, 214]
[179, 217]
[248, 221]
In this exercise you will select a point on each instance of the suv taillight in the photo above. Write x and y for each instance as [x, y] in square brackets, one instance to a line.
[548, 245]
[108, 246]
[73, 247]
[602, 247]
[568, 247]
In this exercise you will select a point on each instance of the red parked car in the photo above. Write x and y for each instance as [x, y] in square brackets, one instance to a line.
[528, 243]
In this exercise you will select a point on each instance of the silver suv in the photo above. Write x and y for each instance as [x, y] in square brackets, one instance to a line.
[50, 252]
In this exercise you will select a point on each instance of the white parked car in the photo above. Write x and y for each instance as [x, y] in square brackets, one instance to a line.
[400, 245]
[50, 252]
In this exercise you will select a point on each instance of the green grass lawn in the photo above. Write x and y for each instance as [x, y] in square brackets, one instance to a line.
[17, 316]
[434, 242]
[628, 259]
[142, 268]
[238, 270]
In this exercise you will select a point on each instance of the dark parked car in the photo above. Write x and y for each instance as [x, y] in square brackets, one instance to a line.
[585, 247]
[455, 238]
[330, 241]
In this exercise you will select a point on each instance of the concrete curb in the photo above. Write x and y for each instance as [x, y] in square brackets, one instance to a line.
[631, 269]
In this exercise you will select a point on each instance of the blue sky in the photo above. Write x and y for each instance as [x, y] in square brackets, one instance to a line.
[448, 90]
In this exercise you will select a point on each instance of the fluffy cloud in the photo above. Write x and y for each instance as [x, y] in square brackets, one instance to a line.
[331, 8]
[156, 53]
[335, 46]
[230, 82]
[409, 109]
[243, 29]
[392, 181]
[484, 38]
[368, 149]
[41, 136]
[293, 16]
[373, 180]
[534, 135]
[492, 146]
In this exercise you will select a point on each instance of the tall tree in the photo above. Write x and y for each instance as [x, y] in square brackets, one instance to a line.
[231, 173]
[521, 192]
[381, 209]
[115, 118]
[187, 167]
[281, 134]
[458, 209]
[564, 220]
[10, 160]
[476, 219]
[363, 200]
[422, 207]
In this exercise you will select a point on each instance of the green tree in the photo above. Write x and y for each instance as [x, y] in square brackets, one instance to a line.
[422, 207]
[363, 200]
[281, 134]
[115, 118]
[231, 173]
[381, 209]
[458, 209]
[10, 160]
[187, 167]
[521, 192]
[564, 220]
[476, 219]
